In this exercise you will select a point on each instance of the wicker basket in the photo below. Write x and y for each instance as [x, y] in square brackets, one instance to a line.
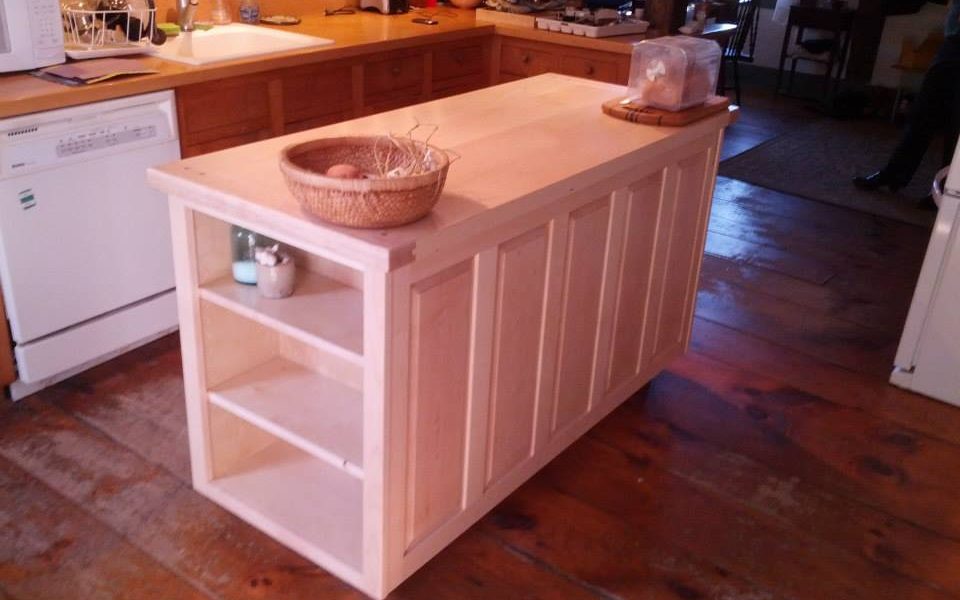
[375, 202]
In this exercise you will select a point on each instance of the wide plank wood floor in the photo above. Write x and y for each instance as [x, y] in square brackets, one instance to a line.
[772, 461]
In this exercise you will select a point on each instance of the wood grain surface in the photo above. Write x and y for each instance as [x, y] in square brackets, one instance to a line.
[772, 462]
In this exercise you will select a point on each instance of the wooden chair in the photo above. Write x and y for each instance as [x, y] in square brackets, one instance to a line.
[733, 51]
[837, 22]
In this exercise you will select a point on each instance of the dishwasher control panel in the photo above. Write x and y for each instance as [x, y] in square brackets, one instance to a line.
[57, 138]
[105, 137]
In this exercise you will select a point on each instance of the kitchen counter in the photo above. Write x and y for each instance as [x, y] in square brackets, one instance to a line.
[357, 34]
[418, 375]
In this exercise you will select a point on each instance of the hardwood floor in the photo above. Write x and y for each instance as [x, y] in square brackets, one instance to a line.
[772, 461]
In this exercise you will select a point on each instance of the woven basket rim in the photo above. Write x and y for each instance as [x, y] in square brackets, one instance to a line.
[314, 178]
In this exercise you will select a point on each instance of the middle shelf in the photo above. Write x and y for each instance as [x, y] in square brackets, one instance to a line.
[321, 312]
[317, 414]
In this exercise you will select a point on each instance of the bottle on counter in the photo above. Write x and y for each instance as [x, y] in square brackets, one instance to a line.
[250, 11]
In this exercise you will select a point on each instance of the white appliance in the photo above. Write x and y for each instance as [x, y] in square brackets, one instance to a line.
[31, 34]
[928, 358]
[85, 257]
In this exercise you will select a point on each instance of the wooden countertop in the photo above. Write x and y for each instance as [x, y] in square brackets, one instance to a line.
[507, 136]
[356, 34]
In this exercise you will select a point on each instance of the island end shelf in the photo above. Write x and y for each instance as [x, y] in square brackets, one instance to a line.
[418, 375]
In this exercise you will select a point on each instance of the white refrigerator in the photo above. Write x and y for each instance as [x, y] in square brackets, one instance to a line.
[928, 358]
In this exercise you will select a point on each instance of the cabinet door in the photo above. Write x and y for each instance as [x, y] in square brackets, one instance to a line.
[460, 67]
[227, 112]
[316, 95]
[525, 59]
[8, 372]
[393, 82]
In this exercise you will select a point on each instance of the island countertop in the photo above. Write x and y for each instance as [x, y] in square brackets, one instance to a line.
[518, 143]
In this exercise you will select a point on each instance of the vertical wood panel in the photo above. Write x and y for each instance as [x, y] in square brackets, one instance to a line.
[521, 281]
[484, 313]
[559, 229]
[683, 246]
[376, 329]
[643, 212]
[661, 254]
[586, 250]
[8, 372]
[441, 315]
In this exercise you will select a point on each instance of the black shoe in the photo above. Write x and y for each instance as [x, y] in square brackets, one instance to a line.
[876, 181]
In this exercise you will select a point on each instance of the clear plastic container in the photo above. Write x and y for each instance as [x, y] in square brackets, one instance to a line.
[674, 73]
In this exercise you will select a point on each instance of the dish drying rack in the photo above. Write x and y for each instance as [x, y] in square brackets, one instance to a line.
[92, 33]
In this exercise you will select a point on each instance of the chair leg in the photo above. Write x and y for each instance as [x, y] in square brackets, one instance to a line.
[793, 71]
[736, 78]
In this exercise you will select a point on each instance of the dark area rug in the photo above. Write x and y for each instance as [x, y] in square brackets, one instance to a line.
[817, 161]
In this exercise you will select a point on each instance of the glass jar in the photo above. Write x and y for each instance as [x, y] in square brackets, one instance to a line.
[243, 244]
[250, 11]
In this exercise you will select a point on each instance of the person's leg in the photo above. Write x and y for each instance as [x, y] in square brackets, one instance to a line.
[952, 128]
[934, 110]
[928, 116]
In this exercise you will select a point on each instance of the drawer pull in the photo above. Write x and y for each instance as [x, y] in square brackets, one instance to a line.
[590, 70]
[525, 59]
[395, 70]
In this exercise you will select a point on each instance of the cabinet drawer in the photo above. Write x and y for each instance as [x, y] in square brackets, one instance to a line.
[317, 94]
[457, 62]
[225, 109]
[591, 67]
[526, 60]
[397, 75]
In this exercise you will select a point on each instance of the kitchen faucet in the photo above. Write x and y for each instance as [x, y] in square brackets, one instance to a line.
[186, 9]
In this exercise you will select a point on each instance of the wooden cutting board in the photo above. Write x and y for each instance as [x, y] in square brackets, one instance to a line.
[656, 116]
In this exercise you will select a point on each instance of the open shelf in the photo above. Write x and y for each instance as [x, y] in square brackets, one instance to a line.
[314, 413]
[299, 500]
[322, 312]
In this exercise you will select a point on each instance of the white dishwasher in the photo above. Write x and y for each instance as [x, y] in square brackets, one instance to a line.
[85, 259]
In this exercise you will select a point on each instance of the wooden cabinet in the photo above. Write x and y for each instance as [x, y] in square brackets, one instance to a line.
[316, 95]
[227, 112]
[460, 67]
[524, 58]
[395, 80]
[419, 375]
[8, 371]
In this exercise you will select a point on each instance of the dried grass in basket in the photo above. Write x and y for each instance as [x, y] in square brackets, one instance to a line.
[371, 202]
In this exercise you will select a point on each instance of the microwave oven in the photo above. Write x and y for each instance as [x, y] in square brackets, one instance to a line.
[31, 34]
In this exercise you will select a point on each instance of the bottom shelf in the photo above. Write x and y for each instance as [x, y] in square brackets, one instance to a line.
[301, 501]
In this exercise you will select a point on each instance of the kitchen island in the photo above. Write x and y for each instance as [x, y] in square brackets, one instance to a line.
[418, 375]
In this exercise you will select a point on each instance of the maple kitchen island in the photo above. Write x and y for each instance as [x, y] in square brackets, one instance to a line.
[418, 375]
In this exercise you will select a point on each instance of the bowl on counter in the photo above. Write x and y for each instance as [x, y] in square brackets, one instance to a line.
[372, 201]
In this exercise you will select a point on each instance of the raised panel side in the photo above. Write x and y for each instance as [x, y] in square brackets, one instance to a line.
[580, 313]
[683, 254]
[636, 268]
[659, 271]
[519, 310]
[440, 340]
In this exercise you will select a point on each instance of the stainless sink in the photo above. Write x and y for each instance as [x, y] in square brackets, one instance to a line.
[233, 41]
